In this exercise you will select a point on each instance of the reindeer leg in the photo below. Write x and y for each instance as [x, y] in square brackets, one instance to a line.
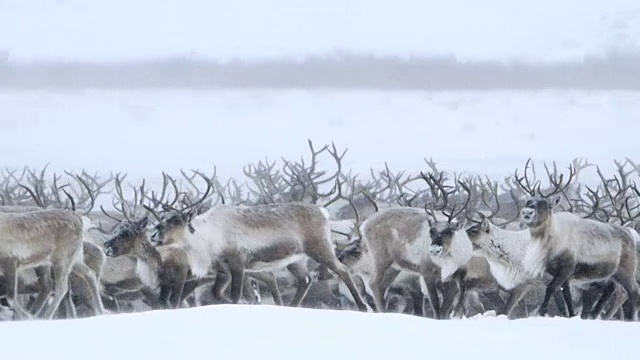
[326, 256]
[432, 290]
[188, 289]
[449, 292]
[303, 282]
[607, 294]
[418, 301]
[61, 272]
[560, 303]
[45, 284]
[566, 292]
[237, 282]
[588, 301]
[86, 286]
[223, 279]
[269, 278]
[173, 278]
[515, 295]
[559, 278]
[629, 283]
[67, 309]
[462, 287]
[11, 276]
[619, 298]
[377, 287]
[494, 299]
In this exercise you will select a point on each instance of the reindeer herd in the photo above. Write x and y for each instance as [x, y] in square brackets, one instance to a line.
[434, 244]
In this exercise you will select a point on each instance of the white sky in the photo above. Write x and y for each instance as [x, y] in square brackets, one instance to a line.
[107, 30]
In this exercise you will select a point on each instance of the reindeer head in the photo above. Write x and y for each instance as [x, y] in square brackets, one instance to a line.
[126, 236]
[482, 233]
[537, 210]
[171, 227]
[442, 234]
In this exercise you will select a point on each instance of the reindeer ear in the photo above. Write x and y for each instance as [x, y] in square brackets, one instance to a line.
[555, 201]
[458, 225]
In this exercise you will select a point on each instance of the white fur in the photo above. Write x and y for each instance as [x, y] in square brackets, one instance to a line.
[505, 252]
[535, 259]
[459, 255]
[635, 235]
[147, 274]
[219, 229]
[275, 265]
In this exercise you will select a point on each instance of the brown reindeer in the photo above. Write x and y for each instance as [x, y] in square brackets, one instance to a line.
[571, 248]
[52, 238]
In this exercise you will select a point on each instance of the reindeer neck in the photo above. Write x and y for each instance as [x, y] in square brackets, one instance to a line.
[148, 264]
[542, 233]
[461, 247]
[146, 252]
[506, 245]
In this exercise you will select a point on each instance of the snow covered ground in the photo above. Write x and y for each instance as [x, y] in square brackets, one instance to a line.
[119, 30]
[264, 331]
[145, 132]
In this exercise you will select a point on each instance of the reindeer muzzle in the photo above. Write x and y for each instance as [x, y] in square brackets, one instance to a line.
[436, 250]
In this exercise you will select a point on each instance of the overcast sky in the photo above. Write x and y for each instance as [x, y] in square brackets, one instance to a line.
[107, 30]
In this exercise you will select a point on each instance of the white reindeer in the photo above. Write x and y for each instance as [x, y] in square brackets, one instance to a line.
[261, 238]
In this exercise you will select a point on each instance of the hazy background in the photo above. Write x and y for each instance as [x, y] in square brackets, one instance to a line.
[404, 44]
[150, 86]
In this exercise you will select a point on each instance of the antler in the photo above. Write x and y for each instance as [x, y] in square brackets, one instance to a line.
[524, 183]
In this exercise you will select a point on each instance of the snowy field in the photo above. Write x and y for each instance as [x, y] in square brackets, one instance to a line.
[264, 331]
[143, 133]
[119, 30]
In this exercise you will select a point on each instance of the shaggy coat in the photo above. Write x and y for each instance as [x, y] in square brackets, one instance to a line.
[45, 238]
[254, 239]
[569, 247]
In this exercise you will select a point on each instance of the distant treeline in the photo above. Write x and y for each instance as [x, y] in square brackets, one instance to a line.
[348, 71]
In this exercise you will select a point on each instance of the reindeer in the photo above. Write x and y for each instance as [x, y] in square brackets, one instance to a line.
[259, 238]
[46, 237]
[92, 256]
[417, 241]
[168, 239]
[571, 248]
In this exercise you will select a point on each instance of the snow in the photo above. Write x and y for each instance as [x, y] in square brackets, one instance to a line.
[259, 331]
[143, 133]
[119, 30]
